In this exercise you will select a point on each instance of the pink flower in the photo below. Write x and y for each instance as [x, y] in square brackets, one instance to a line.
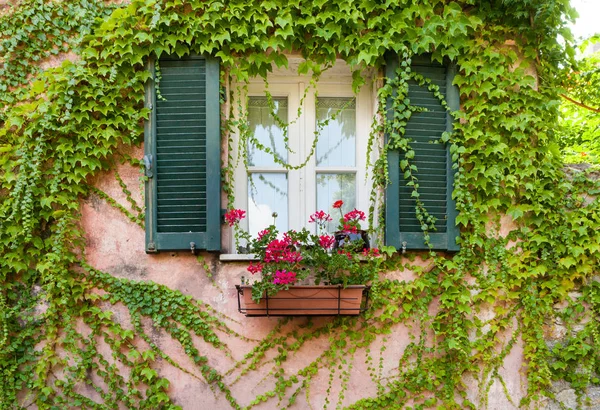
[263, 233]
[338, 204]
[283, 277]
[233, 216]
[354, 216]
[255, 268]
[320, 216]
[288, 239]
[279, 251]
[326, 241]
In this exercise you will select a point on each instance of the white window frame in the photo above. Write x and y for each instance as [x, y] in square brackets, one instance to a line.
[302, 200]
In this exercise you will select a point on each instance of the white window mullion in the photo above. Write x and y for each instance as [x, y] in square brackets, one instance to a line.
[294, 134]
[301, 204]
[310, 194]
[364, 116]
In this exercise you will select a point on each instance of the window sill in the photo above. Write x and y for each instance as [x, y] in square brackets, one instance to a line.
[237, 257]
[243, 257]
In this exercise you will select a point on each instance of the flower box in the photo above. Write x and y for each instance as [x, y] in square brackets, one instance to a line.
[326, 300]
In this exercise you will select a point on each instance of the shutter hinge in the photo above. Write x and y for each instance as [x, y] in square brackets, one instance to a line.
[148, 166]
[151, 247]
[150, 106]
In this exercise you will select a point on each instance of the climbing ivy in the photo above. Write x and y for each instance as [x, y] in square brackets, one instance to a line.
[579, 123]
[530, 243]
[34, 31]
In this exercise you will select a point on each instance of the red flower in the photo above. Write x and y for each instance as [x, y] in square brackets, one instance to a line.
[279, 251]
[255, 268]
[348, 254]
[371, 252]
[326, 241]
[338, 204]
[233, 216]
[350, 228]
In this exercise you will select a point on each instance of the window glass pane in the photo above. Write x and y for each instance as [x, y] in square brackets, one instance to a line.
[331, 188]
[337, 140]
[267, 130]
[267, 193]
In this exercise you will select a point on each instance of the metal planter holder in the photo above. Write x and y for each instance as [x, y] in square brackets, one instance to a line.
[327, 300]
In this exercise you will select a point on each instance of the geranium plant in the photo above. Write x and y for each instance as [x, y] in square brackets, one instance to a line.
[349, 229]
[303, 257]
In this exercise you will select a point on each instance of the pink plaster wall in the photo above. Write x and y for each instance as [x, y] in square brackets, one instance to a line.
[116, 245]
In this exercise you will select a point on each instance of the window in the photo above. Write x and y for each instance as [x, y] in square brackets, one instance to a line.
[336, 170]
[182, 156]
[433, 161]
[183, 149]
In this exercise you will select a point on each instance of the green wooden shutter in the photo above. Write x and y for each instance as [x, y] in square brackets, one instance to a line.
[183, 156]
[433, 161]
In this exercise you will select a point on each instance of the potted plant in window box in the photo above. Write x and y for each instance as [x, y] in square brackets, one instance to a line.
[299, 273]
[350, 232]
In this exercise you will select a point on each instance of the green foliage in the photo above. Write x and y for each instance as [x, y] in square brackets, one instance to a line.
[72, 121]
[34, 31]
[579, 125]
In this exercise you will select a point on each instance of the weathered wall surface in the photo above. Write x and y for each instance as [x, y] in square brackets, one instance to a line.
[116, 245]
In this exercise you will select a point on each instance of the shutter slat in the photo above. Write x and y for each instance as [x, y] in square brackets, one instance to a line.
[432, 209]
[180, 221]
[181, 229]
[174, 149]
[174, 142]
[169, 128]
[179, 115]
[192, 200]
[187, 213]
[181, 162]
[177, 185]
[182, 208]
[177, 156]
[166, 177]
[176, 120]
[167, 109]
[168, 195]
[423, 134]
[174, 104]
